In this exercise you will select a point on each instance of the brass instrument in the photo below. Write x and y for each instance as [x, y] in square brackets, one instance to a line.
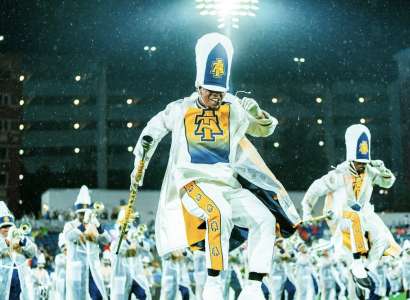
[23, 230]
[98, 208]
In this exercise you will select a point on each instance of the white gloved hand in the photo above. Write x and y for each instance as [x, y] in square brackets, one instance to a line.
[377, 163]
[252, 107]
[381, 168]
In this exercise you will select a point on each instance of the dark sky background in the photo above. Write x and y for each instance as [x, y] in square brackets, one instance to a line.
[339, 39]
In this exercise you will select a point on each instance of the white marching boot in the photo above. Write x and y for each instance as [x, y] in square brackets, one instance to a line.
[252, 290]
[213, 288]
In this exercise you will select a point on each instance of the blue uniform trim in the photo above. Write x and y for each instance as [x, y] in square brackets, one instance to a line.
[363, 147]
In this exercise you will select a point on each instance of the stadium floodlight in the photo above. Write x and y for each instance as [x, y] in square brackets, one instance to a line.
[319, 100]
[76, 102]
[276, 144]
[274, 100]
[227, 12]
[129, 101]
[320, 121]
[21, 151]
[77, 78]
[21, 102]
[362, 120]
[1, 38]
[361, 99]
[130, 148]
[21, 77]
[321, 143]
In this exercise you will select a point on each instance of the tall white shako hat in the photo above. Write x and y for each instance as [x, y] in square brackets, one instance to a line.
[357, 140]
[83, 201]
[6, 217]
[214, 53]
[41, 260]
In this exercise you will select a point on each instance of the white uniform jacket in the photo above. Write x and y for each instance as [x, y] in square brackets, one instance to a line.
[81, 259]
[16, 260]
[191, 159]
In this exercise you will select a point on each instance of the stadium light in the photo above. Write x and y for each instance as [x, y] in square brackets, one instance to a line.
[1, 38]
[21, 151]
[130, 148]
[276, 144]
[77, 78]
[129, 101]
[21, 77]
[76, 102]
[318, 100]
[129, 124]
[320, 121]
[321, 143]
[274, 100]
[228, 12]
[76, 150]
[21, 102]
[21, 126]
[362, 120]
[21, 177]
[76, 126]
[361, 99]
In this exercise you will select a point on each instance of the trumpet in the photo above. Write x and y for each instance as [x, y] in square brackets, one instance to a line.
[98, 208]
[23, 230]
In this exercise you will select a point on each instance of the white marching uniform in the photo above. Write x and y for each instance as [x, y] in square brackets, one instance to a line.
[305, 289]
[15, 274]
[16, 261]
[41, 283]
[405, 271]
[204, 170]
[60, 276]
[349, 224]
[127, 267]
[327, 281]
[83, 259]
[200, 272]
[278, 276]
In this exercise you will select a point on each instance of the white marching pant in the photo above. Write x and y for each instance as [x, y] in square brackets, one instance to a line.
[222, 207]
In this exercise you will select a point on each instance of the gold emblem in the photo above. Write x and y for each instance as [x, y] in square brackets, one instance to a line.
[364, 148]
[215, 251]
[218, 68]
[207, 126]
[214, 226]
[6, 219]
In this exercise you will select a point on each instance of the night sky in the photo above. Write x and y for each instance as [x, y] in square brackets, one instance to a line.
[339, 39]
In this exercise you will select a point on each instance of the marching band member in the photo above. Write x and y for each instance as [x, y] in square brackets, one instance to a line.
[128, 276]
[405, 267]
[41, 279]
[201, 198]
[348, 190]
[60, 262]
[15, 249]
[83, 236]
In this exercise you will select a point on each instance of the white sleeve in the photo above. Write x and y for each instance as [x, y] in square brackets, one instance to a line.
[383, 177]
[157, 128]
[320, 187]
